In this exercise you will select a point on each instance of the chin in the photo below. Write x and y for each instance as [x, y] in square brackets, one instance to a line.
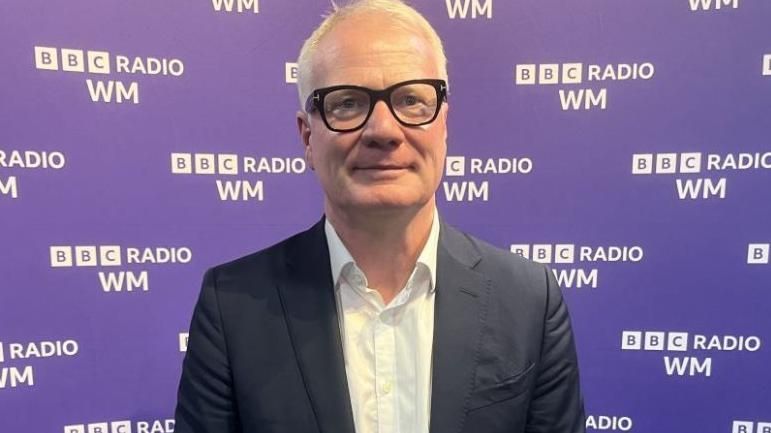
[379, 202]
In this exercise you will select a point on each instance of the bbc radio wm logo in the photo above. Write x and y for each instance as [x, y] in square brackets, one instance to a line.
[456, 190]
[112, 256]
[27, 160]
[24, 375]
[465, 9]
[566, 257]
[659, 341]
[124, 426]
[586, 98]
[228, 164]
[758, 254]
[694, 163]
[712, 5]
[751, 427]
[104, 63]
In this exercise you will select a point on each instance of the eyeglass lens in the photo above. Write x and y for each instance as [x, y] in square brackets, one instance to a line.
[413, 104]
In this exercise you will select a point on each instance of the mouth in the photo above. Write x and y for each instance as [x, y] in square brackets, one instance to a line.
[382, 167]
[379, 166]
[381, 171]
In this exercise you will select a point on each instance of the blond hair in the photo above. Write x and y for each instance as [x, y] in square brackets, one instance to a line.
[398, 12]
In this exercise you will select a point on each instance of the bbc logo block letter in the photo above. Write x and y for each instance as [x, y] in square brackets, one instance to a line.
[654, 340]
[227, 164]
[542, 253]
[46, 58]
[757, 254]
[72, 60]
[572, 73]
[183, 337]
[642, 163]
[456, 165]
[290, 72]
[743, 427]
[521, 249]
[85, 256]
[631, 340]
[677, 341]
[120, 427]
[690, 162]
[98, 62]
[98, 427]
[109, 255]
[666, 163]
[548, 74]
[564, 253]
[525, 74]
[61, 256]
[204, 163]
[181, 163]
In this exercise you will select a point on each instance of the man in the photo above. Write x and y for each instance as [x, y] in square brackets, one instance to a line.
[380, 318]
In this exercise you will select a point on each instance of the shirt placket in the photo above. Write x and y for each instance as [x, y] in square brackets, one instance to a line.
[385, 353]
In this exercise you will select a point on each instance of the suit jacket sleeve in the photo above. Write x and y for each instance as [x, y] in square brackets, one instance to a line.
[557, 405]
[205, 402]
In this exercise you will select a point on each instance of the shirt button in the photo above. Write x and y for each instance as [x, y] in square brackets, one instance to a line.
[387, 387]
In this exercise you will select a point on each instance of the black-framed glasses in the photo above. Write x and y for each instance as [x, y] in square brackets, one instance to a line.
[347, 108]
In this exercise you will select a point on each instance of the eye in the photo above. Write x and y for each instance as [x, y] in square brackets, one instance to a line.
[410, 100]
[348, 103]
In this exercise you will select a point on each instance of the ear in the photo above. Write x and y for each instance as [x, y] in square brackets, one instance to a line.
[304, 128]
[445, 113]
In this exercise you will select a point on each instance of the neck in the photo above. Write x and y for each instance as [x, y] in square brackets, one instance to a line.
[384, 244]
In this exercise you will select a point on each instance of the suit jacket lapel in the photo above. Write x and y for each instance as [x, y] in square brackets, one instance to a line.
[459, 314]
[310, 308]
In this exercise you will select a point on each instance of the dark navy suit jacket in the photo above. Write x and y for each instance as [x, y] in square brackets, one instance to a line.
[265, 355]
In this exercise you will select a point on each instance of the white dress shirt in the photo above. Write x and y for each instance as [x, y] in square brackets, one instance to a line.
[387, 348]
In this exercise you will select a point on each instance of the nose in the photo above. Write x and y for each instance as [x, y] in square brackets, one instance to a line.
[382, 129]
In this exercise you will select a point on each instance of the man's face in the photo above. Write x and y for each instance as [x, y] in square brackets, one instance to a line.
[384, 165]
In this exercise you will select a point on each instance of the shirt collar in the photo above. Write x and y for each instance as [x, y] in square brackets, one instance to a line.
[339, 256]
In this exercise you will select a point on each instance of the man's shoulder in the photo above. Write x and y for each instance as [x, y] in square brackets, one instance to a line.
[503, 267]
[495, 256]
[269, 260]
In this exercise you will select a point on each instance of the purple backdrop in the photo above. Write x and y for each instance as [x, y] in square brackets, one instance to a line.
[624, 143]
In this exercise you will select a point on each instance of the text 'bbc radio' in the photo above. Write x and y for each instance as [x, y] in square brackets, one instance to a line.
[108, 257]
[23, 160]
[457, 166]
[669, 341]
[570, 75]
[576, 266]
[13, 375]
[123, 426]
[694, 165]
[229, 165]
[96, 63]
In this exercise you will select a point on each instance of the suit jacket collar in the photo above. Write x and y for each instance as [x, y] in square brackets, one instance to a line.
[308, 300]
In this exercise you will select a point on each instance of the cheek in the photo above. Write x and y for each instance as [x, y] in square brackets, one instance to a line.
[327, 155]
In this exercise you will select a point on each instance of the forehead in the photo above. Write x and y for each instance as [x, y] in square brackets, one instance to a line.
[373, 51]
